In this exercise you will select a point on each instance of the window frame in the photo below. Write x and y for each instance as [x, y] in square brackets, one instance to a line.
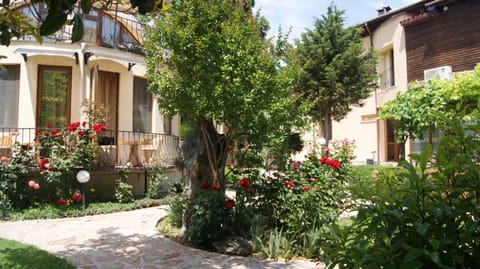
[17, 66]
[41, 69]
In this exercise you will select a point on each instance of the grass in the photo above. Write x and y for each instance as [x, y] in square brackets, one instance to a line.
[51, 211]
[15, 255]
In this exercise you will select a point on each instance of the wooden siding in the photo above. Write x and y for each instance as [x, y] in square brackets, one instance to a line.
[451, 39]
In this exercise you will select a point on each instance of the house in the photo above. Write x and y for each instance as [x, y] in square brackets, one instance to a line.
[46, 84]
[414, 43]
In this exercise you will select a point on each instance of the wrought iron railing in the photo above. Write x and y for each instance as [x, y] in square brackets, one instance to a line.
[115, 148]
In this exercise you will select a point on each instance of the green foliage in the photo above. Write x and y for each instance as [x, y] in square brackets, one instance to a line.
[50, 211]
[175, 211]
[433, 105]
[298, 201]
[207, 61]
[208, 218]
[337, 72]
[367, 181]
[14, 189]
[123, 190]
[156, 180]
[15, 255]
[431, 220]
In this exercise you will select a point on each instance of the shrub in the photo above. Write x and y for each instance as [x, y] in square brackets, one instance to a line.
[15, 191]
[209, 218]
[175, 211]
[432, 220]
[123, 190]
[156, 180]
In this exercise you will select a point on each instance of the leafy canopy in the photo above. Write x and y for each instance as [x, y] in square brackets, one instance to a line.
[434, 105]
[337, 73]
[207, 60]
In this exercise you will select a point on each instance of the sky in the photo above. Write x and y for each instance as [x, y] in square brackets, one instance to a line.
[300, 14]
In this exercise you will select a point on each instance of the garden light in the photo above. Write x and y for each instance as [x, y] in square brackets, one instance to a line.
[83, 176]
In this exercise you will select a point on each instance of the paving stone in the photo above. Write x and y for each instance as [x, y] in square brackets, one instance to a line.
[126, 240]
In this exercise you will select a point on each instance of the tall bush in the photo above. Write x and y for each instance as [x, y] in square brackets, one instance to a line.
[432, 220]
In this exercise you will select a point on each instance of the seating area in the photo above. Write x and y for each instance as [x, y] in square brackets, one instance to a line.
[115, 148]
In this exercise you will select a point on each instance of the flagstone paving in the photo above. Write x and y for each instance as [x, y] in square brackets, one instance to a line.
[126, 240]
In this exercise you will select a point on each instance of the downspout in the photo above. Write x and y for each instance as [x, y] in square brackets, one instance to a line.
[83, 93]
[377, 121]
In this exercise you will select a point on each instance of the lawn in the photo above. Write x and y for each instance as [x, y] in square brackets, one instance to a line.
[15, 255]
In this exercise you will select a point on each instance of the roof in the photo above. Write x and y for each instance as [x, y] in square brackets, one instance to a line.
[419, 12]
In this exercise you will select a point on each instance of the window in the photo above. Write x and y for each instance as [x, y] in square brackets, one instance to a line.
[388, 74]
[54, 96]
[9, 77]
[142, 106]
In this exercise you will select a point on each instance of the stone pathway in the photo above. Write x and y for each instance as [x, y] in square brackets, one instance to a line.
[126, 240]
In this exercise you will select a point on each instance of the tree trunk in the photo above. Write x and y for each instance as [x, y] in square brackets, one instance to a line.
[326, 125]
[204, 157]
[203, 161]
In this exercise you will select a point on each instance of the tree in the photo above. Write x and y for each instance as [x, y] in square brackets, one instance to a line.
[434, 105]
[206, 60]
[14, 24]
[337, 73]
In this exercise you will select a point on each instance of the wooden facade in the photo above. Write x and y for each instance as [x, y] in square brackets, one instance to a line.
[448, 36]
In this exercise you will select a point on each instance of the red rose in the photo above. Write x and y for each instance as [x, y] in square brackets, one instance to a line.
[81, 133]
[62, 201]
[229, 204]
[215, 188]
[42, 165]
[289, 184]
[335, 164]
[244, 182]
[305, 189]
[76, 197]
[98, 128]
[54, 131]
[324, 160]
[48, 126]
[204, 186]
[38, 132]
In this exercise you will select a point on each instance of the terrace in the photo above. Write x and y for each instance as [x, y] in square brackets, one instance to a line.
[115, 148]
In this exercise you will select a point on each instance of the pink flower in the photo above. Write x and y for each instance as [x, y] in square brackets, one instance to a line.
[36, 186]
[297, 164]
[4, 159]
[14, 133]
[244, 182]
[289, 184]
[229, 204]
[31, 183]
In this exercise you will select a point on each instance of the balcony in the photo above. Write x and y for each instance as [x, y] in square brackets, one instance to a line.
[113, 148]
[102, 27]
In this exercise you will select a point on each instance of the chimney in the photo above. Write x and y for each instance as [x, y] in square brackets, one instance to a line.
[383, 10]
